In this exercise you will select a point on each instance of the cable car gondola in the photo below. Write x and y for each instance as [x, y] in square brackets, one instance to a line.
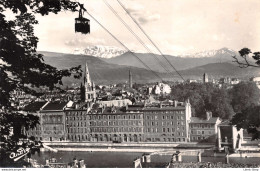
[82, 24]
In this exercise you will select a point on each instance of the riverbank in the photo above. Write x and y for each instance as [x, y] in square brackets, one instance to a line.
[124, 147]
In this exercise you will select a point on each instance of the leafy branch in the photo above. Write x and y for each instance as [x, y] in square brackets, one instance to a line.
[245, 54]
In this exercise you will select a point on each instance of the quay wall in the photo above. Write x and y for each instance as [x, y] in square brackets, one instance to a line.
[163, 148]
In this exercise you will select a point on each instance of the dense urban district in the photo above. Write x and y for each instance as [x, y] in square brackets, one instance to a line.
[190, 113]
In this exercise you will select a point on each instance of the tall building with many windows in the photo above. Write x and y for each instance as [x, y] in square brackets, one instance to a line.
[109, 124]
[166, 122]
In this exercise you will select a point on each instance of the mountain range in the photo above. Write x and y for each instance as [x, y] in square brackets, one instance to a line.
[160, 64]
[116, 69]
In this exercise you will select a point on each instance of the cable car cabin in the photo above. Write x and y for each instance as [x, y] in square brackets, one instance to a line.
[82, 25]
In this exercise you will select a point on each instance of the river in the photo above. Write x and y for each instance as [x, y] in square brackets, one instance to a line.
[124, 159]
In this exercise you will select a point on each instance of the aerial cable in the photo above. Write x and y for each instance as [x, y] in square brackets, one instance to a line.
[149, 38]
[123, 45]
[136, 36]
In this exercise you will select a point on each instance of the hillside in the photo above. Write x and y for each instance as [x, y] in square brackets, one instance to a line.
[100, 71]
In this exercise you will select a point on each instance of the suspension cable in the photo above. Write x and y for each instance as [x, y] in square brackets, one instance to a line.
[149, 39]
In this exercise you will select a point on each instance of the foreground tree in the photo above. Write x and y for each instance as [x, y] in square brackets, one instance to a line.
[249, 119]
[244, 95]
[21, 67]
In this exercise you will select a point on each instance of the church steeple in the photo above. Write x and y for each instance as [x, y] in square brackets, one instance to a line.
[89, 87]
[87, 81]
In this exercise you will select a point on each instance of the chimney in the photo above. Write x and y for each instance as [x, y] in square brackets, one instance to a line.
[208, 115]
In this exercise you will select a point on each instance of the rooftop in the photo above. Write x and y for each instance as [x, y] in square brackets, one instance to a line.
[57, 105]
[35, 106]
[225, 123]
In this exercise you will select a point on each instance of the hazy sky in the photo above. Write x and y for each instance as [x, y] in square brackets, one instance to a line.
[176, 26]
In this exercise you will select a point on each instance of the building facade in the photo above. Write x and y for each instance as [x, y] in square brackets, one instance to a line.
[168, 122]
[107, 126]
[51, 125]
[201, 129]
[154, 122]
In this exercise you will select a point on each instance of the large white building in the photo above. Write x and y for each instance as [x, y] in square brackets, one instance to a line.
[162, 88]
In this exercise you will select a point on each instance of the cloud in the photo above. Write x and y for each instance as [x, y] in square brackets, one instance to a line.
[142, 15]
[77, 42]
[136, 7]
[149, 18]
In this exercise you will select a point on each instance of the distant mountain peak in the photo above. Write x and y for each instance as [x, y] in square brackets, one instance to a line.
[100, 51]
[209, 53]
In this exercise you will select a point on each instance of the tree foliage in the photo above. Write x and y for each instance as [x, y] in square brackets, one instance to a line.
[245, 98]
[21, 67]
[244, 95]
[204, 97]
[247, 56]
[248, 119]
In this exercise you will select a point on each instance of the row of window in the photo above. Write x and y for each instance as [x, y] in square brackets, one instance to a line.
[106, 137]
[198, 132]
[165, 112]
[78, 130]
[78, 124]
[193, 125]
[99, 117]
[164, 123]
[110, 123]
[165, 130]
[76, 113]
[117, 129]
[197, 138]
[165, 117]
[52, 119]
[165, 139]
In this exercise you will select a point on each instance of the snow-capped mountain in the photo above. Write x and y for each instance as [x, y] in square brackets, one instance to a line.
[209, 53]
[100, 51]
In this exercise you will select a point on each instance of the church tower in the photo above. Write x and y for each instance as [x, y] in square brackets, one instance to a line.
[130, 79]
[89, 87]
